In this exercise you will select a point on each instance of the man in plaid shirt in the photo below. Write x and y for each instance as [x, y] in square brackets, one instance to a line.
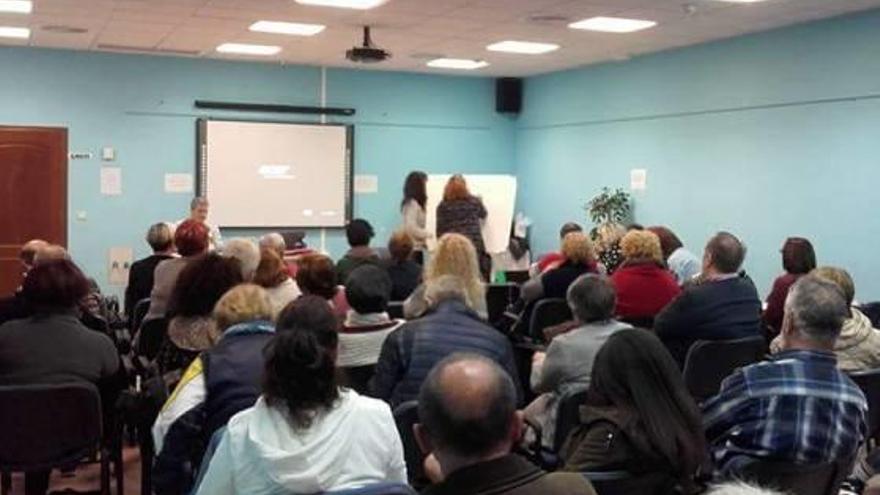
[796, 407]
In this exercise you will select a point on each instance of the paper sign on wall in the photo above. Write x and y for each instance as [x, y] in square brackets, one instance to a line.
[638, 179]
[178, 183]
[119, 260]
[111, 181]
[366, 184]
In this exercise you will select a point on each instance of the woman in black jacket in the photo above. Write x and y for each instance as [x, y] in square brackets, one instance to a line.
[463, 213]
[639, 416]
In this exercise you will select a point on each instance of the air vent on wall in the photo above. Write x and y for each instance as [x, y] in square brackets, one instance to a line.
[63, 29]
[155, 51]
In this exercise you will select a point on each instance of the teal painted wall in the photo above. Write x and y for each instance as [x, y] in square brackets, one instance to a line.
[768, 136]
[143, 107]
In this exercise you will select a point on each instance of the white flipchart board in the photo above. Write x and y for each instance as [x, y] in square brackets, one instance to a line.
[498, 193]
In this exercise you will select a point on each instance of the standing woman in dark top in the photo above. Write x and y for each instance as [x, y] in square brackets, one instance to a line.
[463, 213]
[412, 208]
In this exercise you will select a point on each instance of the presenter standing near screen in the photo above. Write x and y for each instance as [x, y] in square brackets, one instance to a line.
[198, 211]
[412, 208]
[463, 213]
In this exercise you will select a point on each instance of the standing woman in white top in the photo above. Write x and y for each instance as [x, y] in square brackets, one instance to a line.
[412, 208]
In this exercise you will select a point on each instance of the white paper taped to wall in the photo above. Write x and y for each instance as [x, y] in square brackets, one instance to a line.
[366, 184]
[111, 181]
[498, 193]
[178, 183]
[638, 179]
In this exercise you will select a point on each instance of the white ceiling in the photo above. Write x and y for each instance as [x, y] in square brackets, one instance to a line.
[413, 30]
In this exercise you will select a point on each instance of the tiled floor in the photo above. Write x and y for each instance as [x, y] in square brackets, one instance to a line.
[86, 479]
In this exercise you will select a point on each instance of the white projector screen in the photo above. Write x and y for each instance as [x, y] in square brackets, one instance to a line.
[261, 174]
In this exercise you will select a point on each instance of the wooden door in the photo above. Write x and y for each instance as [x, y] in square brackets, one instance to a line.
[33, 194]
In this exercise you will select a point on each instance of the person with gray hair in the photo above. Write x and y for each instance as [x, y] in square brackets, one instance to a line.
[160, 237]
[469, 426]
[797, 406]
[246, 252]
[274, 242]
[450, 325]
[739, 488]
[568, 362]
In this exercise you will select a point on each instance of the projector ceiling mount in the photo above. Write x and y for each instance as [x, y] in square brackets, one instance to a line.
[368, 53]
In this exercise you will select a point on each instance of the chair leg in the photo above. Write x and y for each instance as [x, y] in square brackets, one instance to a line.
[146, 449]
[5, 483]
[105, 472]
[120, 471]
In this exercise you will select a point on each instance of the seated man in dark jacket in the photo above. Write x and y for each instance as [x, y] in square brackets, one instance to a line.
[409, 352]
[469, 425]
[722, 305]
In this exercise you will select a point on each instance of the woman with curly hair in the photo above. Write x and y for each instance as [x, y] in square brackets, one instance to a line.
[644, 285]
[456, 256]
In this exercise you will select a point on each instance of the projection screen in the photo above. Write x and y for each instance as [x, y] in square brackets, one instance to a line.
[264, 174]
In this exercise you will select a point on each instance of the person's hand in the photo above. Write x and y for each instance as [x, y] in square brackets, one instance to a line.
[538, 359]
[432, 469]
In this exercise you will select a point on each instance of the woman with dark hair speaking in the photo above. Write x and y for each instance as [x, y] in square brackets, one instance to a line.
[639, 416]
[412, 208]
[306, 434]
[463, 213]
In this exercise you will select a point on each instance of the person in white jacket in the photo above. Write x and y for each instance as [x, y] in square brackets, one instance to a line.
[305, 434]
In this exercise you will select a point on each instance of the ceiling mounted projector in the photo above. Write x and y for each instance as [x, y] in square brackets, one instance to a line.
[367, 53]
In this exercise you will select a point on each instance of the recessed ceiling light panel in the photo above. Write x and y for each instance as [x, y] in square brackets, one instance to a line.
[14, 32]
[612, 24]
[291, 28]
[246, 49]
[344, 4]
[16, 6]
[524, 47]
[457, 63]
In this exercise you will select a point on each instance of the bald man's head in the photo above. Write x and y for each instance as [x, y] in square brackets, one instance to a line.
[467, 405]
[51, 252]
[29, 252]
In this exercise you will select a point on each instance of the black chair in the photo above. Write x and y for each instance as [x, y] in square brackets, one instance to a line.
[872, 311]
[498, 298]
[36, 437]
[378, 489]
[517, 276]
[395, 309]
[406, 415]
[709, 362]
[546, 313]
[869, 382]
[150, 337]
[141, 308]
[802, 479]
[625, 483]
[568, 414]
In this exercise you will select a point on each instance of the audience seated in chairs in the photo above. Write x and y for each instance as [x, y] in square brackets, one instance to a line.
[367, 289]
[273, 241]
[316, 276]
[796, 407]
[246, 252]
[455, 256]
[469, 426]
[451, 325]
[272, 275]
[858, 346]
[140, 276]
[15, 307]
[219, 383]
[739, 488]
[552, 260]
[191, 328]
[722, 304]
[405, 273]
[191, 240]
[305, 434]
[52, 346]
[569, 358]
[644, 286]
[359, 233]
[639, 417]
[578, 259]
[798, 259]
[683, 264]
[607, 239]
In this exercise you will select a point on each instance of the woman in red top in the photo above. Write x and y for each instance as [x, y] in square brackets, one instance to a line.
[644, 285]
[798, 258]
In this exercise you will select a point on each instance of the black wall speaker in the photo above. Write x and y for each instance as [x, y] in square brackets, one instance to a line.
[508, 94]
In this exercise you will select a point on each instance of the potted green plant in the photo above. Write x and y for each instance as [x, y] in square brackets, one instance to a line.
[610, 207]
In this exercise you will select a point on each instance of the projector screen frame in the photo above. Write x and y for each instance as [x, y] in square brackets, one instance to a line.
[202, 166]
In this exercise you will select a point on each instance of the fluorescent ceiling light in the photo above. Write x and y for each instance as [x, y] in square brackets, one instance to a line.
[14, 32]
[525, 47]
[344, 4]
[16, 6]
[457, 63]
[612, 24]
[292, 28]
[742, 1]
[246, 49]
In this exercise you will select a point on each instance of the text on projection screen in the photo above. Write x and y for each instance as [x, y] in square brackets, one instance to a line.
[276, 175]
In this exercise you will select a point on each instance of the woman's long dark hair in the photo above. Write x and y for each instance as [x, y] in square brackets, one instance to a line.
[415, 188]
[634, 373]
[300, 369]
[798, 256]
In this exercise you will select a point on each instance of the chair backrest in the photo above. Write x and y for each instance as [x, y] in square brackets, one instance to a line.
[150, 337]
[141, 308]
[568, 414]
[625, 483]
[546, 313]
[395, 309]
[709, 362]
[802, 479]
[872, 311]
[869, 382]
[406, 415]
[498, 298]
[377, 489]
[517, 276]
[47, 426]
